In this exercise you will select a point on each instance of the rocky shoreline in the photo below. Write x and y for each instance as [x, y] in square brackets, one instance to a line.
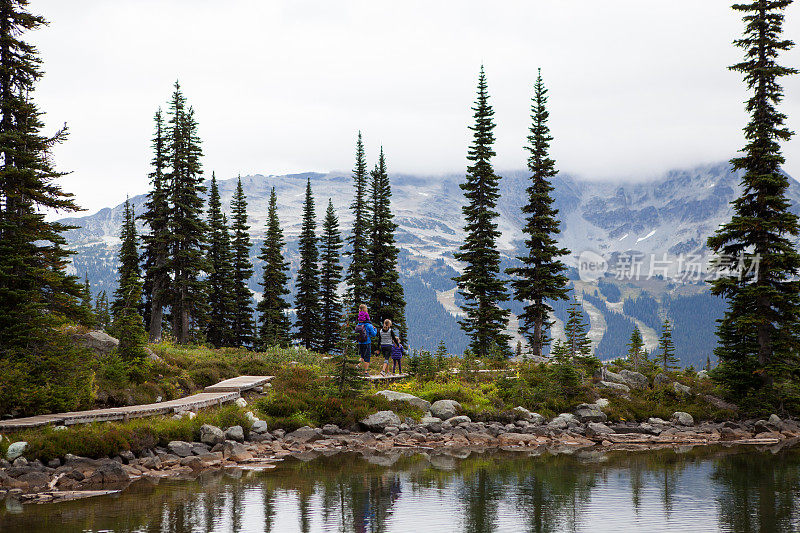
[442, 431]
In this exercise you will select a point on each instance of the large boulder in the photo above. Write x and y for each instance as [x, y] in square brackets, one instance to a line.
[180, 448]
[235, 433]
[613, 377]
[16, 449]
[681, 389]
[619, 387]
[445, 409]
[305, 434]
[587, 412]
[394, 396]
[97, 341]
[381, 420]
[682, 419]
[211, 435]
[634, 380]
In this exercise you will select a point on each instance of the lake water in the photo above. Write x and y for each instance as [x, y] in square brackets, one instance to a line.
[701, 489]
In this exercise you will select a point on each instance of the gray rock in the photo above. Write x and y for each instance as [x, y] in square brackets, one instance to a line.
[391, 430]
[378, 421]
[461, 419]
[657, 421]
[394, 396]
[279, 433]
[590, 413]
[619, 387]
[111, 472]
[211, 435]
[635, 380]
[35, 479]
[97, 341]
[16, 449]
[259, 426]
[775, 420]
[445, 409]
[524, 414]
[661, 379]
[235, 451]
[54, 463]
[602, 403]
[305, 434]
[613, 377]
[127, 456]
[682, 419]
[597, 428]
[562, 421]
[180, 448]
[681, 389]
[235, 433]
[427, 420]
[331, 429]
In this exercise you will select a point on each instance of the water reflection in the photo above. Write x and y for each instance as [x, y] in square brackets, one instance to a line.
[685, 490]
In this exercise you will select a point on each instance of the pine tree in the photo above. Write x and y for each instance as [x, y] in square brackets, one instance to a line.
[386, 298]
[307, 304]
[635, 349]
[101, 311]
[667, 358]
[359, 267]
[187, 229]
[274, 324]
[759, 336]
[36, 293]
[127, 324]
[541, 278]
[220, 282]
[330, 277]
[242, 270]
[128, 271]
[578, 345]
[441, 356]
[157, 245]
[479, 284]
[86, 302]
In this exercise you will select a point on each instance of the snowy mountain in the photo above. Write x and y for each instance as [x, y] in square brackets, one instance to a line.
[673, 214]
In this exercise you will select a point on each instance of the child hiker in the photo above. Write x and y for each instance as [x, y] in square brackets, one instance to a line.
[397, 355]
[387, 340]
[364, 333]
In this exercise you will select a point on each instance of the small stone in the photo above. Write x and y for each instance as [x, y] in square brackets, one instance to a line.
[657, 421]
[234, 451]
[775, 420]
[54, 463]
[590, 413]
[330, 429]
[602, 403]
[16, 449]
[305, 434]
[597, 428]
[235, 433]
[180, 448]
[456, 420]
[259, 426]
[127, 457]
[59, 428]
[241, 402]
[20, 461]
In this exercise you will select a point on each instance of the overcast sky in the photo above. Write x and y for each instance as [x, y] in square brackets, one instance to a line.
[636, 87]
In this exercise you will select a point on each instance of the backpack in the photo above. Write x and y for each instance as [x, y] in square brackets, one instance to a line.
[361, 334]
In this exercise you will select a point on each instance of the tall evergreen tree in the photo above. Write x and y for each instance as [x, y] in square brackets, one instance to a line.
[636, 352]
[187, 228]
[330, 277]
[759, 336]
[242, 270]
[667, 356]
[578, 346]
[273, 323]
[541, 276]
[479, 284]
[157, 241]
[307, 304]
[386, 298]
[86, 302]
[220, 282]
[359, 267]
[101, 311]
[129, 271]
[36, 293]
[127, 324]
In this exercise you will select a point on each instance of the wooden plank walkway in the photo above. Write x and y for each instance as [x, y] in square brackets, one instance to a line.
[239, 384]
[231, 389]
[387, 377]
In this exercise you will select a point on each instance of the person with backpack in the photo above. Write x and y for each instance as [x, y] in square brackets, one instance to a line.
[365, 331]
[388, 339]
[397, 356]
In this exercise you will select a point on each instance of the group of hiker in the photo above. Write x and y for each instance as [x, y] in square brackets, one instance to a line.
[391, 348]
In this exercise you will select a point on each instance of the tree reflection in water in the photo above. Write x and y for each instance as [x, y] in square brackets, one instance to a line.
[730, 489]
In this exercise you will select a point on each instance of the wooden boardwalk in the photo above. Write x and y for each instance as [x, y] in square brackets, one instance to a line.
[239, 384]
[231, 389]
[387, 377]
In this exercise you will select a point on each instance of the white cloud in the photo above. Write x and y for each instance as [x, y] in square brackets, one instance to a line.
[636, 87]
